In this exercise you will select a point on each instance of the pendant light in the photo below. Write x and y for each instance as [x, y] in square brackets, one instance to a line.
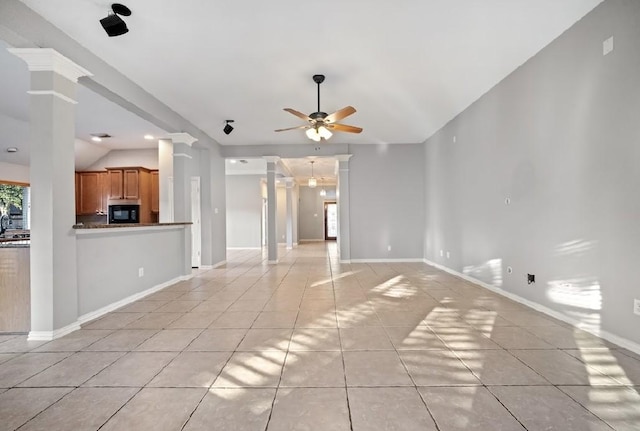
[323, 192]
[312, 181]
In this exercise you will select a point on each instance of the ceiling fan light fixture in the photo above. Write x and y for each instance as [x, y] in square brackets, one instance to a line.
[313, 135]
[324, 132]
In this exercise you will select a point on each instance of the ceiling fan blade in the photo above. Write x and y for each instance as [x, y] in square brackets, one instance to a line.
[292, 128]
[298, 114]
[340, 114]
[344, 128]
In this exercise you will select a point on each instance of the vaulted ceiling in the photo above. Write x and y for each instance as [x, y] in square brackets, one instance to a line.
[408, 66]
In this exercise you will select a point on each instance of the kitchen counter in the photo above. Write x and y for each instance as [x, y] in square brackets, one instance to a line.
[126, 225]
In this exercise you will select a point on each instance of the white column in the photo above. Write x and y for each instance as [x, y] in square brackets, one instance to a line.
[342, 199]
[182, 169]
[54, 287]
[165, 178]
[272, 210]
[289, 234]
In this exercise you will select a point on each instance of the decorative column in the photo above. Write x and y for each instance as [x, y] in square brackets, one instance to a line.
[289, 185]
[342, 198]
[165, 179]
[182, 169]
[54, 287]
[272, 210]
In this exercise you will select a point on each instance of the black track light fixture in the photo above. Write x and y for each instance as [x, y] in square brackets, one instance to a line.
[113, 24]
[228, 128]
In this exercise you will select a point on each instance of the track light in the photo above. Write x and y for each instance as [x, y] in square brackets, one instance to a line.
[113, 24]
[228, 128]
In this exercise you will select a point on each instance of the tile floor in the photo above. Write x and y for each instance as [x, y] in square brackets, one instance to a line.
[310, 344]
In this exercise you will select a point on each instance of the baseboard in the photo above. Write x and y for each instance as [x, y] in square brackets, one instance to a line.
[92, 315]
[411, 260]
[52, 335]
[345, 261]
[272, 262]
[219, 264]
[244, 248]
[620, 341]
[206, 267]
[311, 240]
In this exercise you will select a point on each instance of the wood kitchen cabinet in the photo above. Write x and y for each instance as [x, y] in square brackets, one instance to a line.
[155, 192]
[131, 184]
[91, 195]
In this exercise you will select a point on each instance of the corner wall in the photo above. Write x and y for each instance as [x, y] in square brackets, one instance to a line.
[559, 139]
[244, 211]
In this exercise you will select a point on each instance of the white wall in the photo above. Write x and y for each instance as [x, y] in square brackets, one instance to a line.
[14, 173]
[386, 189]
[244, 210]
[559, 138]
[117, 158]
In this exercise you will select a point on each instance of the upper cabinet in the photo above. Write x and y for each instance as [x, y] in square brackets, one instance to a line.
[91, 193]
[155, 192]
[125, 183]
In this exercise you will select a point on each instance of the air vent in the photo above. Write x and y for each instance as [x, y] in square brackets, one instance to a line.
[244, 162]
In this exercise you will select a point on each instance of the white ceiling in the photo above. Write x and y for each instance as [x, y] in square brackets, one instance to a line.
[407, 66]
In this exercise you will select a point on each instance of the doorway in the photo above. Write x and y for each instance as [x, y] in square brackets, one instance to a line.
[330, 221]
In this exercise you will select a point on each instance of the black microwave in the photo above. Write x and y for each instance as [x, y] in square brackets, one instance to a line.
[124, 214]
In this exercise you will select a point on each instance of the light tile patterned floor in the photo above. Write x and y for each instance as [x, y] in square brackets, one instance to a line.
[311, 344]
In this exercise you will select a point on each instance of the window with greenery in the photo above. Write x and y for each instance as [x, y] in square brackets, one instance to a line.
[10, 194]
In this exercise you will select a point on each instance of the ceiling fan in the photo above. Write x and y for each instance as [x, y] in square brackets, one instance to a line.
[322, 124]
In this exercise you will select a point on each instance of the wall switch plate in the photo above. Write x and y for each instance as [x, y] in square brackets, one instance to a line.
[441, 253]
[448, 255]
[636, 306]
[455, 139]
[388, 248]
[141, 272]
[215, 210]
[607, 46]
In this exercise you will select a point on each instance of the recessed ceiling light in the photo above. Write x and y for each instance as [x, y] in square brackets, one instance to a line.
[97, 137]
[12, 150]
[148, 137]
[233, 161]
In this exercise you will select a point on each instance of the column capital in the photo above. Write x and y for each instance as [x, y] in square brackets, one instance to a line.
[271, 159]
[50, 60]
[182, 138]
[288, 182]
[343, 157]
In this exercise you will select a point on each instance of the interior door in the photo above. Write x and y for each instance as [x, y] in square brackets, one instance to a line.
[330, 220]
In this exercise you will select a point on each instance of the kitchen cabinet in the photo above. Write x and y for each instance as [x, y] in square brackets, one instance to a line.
[155, 192]
[91, 193]
[131, 184]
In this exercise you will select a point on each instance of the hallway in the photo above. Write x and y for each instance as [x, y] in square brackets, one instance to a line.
[312, 344]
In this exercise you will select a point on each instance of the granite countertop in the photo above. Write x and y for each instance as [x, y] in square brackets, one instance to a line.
[126, 225]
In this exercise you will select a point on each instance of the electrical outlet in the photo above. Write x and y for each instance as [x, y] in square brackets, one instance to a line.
[441, 253]
[141, 272]
[509, 270]
[388, 248]
[636, 306]
[448, 255]
[531, 278]
[607, 46]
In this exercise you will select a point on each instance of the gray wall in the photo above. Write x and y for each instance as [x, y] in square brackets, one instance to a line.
[244, 210]
[108, 263]
[387, 201]
[219, 203]
[311, 212]
[281, 215]
[558, 137]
